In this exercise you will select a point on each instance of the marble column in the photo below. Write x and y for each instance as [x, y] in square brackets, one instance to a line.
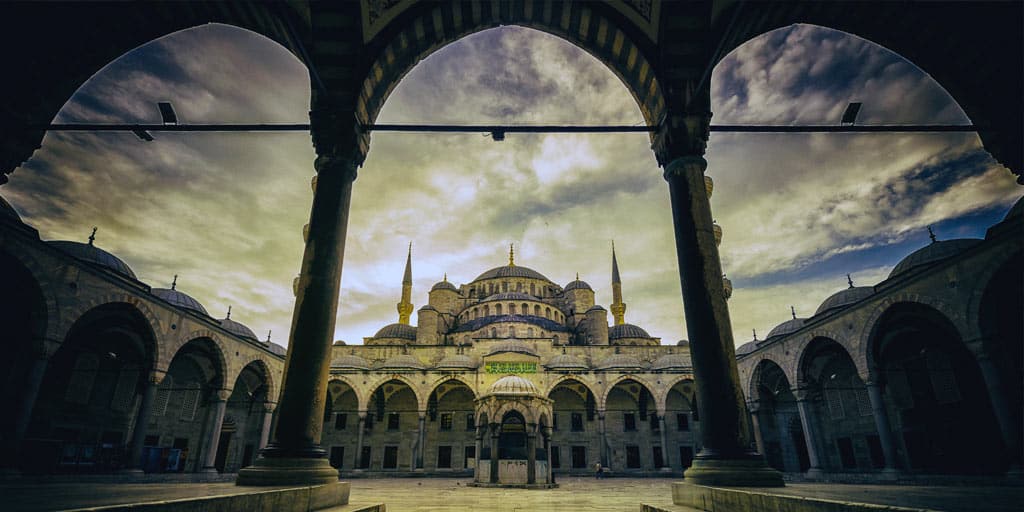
[726, 458]
[1008, 427]
[220, 406]
[755, 424]
[494, 453]
[605, 456]
[804, 404]
[881, 414]
[531, 455]
[268, 421]
[294, 456]
[360, 429]
[479, 446]
[23, 414]
[547, 450]
[665, 462]
[420, 439]
[134, 461]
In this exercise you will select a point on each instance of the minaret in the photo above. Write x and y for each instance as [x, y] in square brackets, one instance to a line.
[618, 307]
[405, 306]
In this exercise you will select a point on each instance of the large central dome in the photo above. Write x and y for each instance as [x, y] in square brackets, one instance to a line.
[511, 271]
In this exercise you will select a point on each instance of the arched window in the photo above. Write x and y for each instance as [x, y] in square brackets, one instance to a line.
[511, 309]
[494, 332]
[512, 440]
[547, 313]
[82, 378]
[529, 332]
[536, 310]
[497, 309]
[554, 339]
[533, 290]
[519, 287]
[487, 311]
[511, 331]
[526, 309]
[504, 286]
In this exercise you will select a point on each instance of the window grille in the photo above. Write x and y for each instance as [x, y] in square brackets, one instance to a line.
[124, 390]
[190, 402]
[82, 378]
[834, 399]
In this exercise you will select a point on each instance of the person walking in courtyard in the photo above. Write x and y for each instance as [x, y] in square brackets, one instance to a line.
[598, 471]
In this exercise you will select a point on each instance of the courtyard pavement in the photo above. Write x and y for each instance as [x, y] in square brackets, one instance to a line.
[449, 495]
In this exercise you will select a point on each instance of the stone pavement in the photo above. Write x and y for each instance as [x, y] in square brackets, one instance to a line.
[574, 493]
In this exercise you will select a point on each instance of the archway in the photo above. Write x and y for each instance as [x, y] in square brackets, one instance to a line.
[936, 393]
[782, 434]
[342, 425]
[89, 399]
[575, 438]
[682, 438]
[392, 439]
[631, 422]
[245, 420]
[449, 443]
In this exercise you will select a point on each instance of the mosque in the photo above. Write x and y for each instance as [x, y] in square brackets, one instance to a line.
[513, 379]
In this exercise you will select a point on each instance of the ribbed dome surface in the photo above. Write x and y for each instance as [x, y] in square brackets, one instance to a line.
[95, 255]
[402, 362]
[350, 362]
[746, 348]
[180, 299]
[512, 346]
[595, 307]
[513, 385]
[578, 285]
[402, 331]
[671, 362]
[443, 285]
[509, 296]
[238, 329]
[626, 331]
[511, 271]
[620, 362]
[457, 362]
[566, 362]
[933, 252]
[844, 298]
[787, 327]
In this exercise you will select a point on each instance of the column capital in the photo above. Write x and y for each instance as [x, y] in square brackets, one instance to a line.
[220, 395]
[268, 407]
[805, 394]
[361, 414]
[684, 164]
[342, 166]
[754, 406]
[155, 377]
[680, 134]
[337, 132]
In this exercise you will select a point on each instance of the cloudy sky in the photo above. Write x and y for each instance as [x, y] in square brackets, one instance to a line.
[225, 211]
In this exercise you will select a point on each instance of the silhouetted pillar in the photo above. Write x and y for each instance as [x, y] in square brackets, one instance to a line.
[295, 455]
[1008, 428]
[755, 424]
[531, 455]
[881, 414]
[220, 406]
[726, 458]
[605, 458]
[268, 421]
[420, 439]
[23, 415]
[803, 404]
[361, 429]
[134, 462]
[494, 453]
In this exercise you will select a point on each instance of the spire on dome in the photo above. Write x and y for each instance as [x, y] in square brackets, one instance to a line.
[92, 236]
[618, 307]
[755, 334]
[931, 234]
[229, 314]
[174, 283]
[792, 311]
[849, 280]
[268, 335]
[511, 255]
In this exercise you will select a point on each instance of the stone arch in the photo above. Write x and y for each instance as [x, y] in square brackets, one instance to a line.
[578, 378]
[597, 29]
[361, 398]
[45, 287]
[448, 378]
[421, 400]
[806, 349]
[507, 406]
[609, 386]
[264, 370]
[864, 341]
[216, 345]
[60, 329]
[661, 399]
[982, 281]
[755, 377]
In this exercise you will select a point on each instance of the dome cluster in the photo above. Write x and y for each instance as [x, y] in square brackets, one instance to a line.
[513, 385]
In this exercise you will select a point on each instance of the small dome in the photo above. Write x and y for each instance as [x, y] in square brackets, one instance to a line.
[511, 271]
[683, 343]
[238, 329]
[566, 362]
[626, 331]
[444, 285]
[402, 331]
[672, 362]
[746, 348]
[511, 346]
[578, 285]
[595, 307]
[340, 343]
[402, 362]
[457, 362]
[844, 298]
[8, 211]
[180, 299]
[513, 385]
[933, 252]
[428, 307]
[620, 362]
[95, 255]
[277, 349]
[350, 362]
[509, 296]
[787, 327]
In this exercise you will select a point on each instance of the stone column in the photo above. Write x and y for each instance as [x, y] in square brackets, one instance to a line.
[479, 446]
[134, 462]
[755, 424]
[531, 455]
[665, 462]
[881, 414]
[605, 456]
[295, 456]
[547, 450]
[421, 435]
[220, 406]
[23, 414]
[361, 429]
[494, 452]
[268, 421]
[1011, 432]
[726, 458]
[803, 404]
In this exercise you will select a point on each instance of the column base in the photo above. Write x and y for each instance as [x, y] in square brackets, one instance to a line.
[287, 471]
[743, 471]
[815, 474]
